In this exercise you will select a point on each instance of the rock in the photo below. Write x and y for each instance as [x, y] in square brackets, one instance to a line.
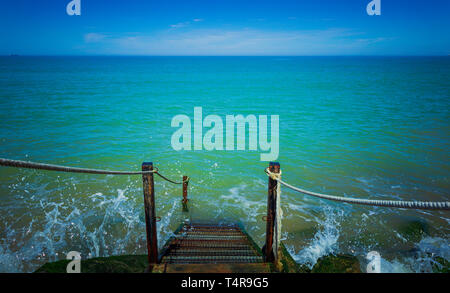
[414, 230]
[441, 265]
[342, 263]
[112, 264]
[288, 264]
[54, 267]
[138, 264]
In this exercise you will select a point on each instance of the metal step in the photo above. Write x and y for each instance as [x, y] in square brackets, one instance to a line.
[213, 268]
[208, 232]
[215, 252]
[210, 243]
[212, 259]
[212, 237]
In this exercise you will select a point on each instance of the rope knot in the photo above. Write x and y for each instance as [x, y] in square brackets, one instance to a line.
[273, 176]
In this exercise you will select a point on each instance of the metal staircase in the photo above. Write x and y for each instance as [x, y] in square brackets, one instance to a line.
[211, 247]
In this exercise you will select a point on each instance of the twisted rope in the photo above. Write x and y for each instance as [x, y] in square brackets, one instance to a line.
[171, 181]
[423, 205]
[50, 167]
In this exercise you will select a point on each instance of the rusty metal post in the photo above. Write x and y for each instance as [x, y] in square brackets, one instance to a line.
[185, 199]
[150, 217]
[271, 213]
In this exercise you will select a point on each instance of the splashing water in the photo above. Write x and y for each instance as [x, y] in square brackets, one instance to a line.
[422, 260]
[325, 240]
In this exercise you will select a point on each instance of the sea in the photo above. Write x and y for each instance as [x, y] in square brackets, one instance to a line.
[362, 127]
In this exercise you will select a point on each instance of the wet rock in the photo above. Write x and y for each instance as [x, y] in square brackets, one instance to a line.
[112, 264]
[441, 265]
[54, 267]
[342, 263]
[414, 230]
[288, 264]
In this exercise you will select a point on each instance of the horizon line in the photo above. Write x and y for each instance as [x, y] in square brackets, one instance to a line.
[143, 55]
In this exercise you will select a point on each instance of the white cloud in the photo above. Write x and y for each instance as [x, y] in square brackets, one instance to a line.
[94, 37]
[234, 42]
[185, 23]
[180, 24]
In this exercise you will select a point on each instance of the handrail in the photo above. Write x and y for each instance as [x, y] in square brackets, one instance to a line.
[51, 167]
[148, 187]
[423, 205]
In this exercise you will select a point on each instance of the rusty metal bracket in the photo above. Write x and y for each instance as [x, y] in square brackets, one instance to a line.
[265, 218]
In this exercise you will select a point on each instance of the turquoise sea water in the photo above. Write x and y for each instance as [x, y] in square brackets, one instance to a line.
[367, 127]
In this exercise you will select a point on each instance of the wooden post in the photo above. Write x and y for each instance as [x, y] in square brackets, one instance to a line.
[271, 213]
[150, 217]
[185, 199]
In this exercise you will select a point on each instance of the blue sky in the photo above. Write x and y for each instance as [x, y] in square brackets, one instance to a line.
[228, 27]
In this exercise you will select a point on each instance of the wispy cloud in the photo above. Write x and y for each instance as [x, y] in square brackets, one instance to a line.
[234, 42]
[180, 24]
[185, 23]
[94, 37]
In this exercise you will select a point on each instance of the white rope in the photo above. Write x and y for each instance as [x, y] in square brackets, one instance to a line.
[277, 223]
[423, 205]
[51, 167]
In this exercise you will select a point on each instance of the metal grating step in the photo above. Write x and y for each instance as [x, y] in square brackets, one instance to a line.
[212, 259]
[213, 237]
[222, 252]
[210, 243]
[205, 232]
[216, 268]
[188, 249]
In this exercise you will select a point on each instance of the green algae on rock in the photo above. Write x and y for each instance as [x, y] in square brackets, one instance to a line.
[288, 264]
[112, 264]
[138, 264]
[441, 265]
[342, 263]
[414, 230]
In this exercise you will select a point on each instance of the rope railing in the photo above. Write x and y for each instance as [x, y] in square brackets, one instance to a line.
[423, 205]
[171, 181]
[51, 167]
[148, 189]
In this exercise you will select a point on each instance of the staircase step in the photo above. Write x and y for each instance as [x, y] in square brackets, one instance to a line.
[216, 250]
[212, 237]
[222, 252]
[212, 259]
[212, 268]
[231, 233]
[210, 243]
